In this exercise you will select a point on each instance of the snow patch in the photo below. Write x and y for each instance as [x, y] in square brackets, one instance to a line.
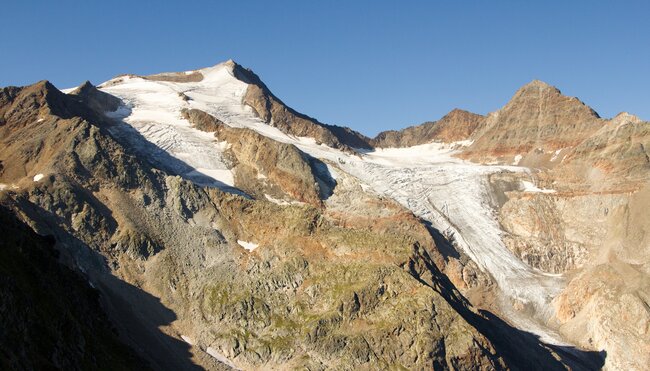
[3, 186]
[250, 246]
[275, 200]
[187, 339]
[219, 357]
[555, 154]
[530, 187]
[282, 202]
[517, 159]
[38, 177]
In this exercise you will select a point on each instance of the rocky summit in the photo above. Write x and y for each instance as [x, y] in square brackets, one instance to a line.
[192, 220]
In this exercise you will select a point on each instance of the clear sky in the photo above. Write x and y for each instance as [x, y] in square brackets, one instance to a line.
[370, 65]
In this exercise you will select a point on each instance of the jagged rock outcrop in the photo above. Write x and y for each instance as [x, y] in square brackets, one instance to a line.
[455, 126]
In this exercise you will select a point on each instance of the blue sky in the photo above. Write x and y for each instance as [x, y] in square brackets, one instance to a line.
[370, 65]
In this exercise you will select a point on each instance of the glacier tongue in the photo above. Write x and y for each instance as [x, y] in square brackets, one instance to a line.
[454, 196]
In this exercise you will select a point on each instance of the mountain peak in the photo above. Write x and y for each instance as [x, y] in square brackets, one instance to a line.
[532, 94]
[539, 84]
[85, 87]
[536, 87]
[459, 113]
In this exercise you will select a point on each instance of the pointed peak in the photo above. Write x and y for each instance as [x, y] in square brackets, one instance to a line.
[86, 87]
[44, 85]
[43, 88]
[230, 62]
[247, 75]
[538, 86]
[460, 113]
[535, 92]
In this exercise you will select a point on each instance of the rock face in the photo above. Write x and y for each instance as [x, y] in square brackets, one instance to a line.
[456, 126]
[51, 318]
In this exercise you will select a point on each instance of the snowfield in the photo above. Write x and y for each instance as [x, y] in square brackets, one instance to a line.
[451, 194]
